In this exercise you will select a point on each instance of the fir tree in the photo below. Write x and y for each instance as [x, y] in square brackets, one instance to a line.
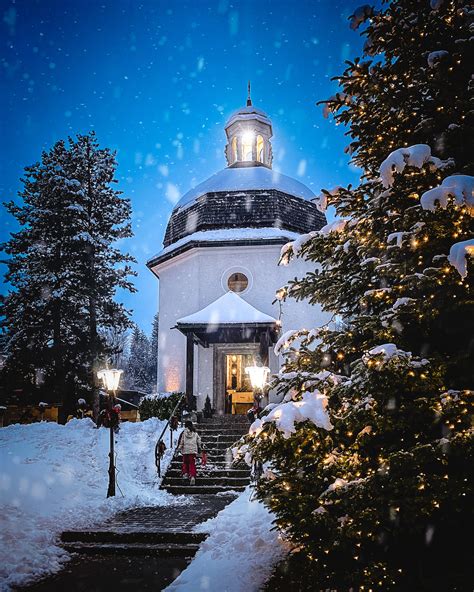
[153, 358]
[138, 377]
[383, 499]
[64, 268]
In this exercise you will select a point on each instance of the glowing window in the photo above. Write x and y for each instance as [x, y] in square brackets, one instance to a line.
[260, 147]
[247, 145]
[234, 149]
[237, 282]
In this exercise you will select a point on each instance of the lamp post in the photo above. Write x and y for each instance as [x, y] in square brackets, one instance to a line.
[111, 379]
[258, 379]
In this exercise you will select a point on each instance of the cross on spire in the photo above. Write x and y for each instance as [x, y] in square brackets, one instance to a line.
[249, 100]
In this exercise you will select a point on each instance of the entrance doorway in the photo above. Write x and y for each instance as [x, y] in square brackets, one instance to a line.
[233, 392]
[238, 390]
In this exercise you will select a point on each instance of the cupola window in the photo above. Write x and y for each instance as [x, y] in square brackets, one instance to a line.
[248, 139]
[234, 149]
[260, 148]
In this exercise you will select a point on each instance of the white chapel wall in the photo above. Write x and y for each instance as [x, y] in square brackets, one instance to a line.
[193, 280]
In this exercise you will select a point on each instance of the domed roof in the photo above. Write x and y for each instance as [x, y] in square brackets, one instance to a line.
[246, 178]
[246, 113]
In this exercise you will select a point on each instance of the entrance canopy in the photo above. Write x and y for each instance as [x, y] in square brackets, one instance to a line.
[229, 319]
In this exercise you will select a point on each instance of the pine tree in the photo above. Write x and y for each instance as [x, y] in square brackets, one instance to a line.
[153, 358]
[383, 499]
[138, 361]
[64, 269]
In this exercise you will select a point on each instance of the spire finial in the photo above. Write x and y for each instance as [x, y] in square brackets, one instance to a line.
[249, 100]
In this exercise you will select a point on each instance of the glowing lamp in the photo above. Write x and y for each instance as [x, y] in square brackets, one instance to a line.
[248, 137]
[110, 378]
[258, 376]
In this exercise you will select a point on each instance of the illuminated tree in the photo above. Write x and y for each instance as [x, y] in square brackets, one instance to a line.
[380, 497]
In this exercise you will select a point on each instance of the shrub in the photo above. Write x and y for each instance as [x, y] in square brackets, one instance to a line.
[160, 405]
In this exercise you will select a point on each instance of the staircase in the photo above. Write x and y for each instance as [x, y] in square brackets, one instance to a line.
[218, 434]
[164, 533]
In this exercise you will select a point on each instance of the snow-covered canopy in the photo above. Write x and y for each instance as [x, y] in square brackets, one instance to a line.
[246, 178]
[229, 309]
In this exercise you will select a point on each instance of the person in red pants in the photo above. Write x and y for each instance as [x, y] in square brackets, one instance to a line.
[189, 446]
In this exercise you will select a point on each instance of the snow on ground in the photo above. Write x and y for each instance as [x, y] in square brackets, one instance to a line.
[54, 478]
[239, 554]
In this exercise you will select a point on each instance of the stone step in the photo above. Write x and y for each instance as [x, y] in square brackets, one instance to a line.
[211, 460]
[220, 437]
[232, 473]
[208, 480]
[228, 420]
[198, 489]
[214, 453]
[223, 429]
[217, 445]
[164, 549]
[132, 536]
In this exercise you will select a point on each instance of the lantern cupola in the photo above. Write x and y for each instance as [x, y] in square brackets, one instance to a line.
[248, 132]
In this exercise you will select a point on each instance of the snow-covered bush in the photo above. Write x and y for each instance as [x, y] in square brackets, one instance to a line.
[160, 405]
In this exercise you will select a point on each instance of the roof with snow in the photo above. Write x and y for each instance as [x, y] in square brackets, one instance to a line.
[210, 238]
[245, 178]
[229, 309]
[246, 113]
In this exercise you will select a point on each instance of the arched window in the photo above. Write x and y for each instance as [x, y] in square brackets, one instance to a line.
[260, 148]
[248, 139]
[234, 149]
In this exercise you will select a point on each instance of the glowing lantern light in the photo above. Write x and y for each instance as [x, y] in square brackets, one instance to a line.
[258, 376]
[110, 378]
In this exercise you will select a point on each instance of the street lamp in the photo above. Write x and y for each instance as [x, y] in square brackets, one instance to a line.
[258, 379]
[110, 378]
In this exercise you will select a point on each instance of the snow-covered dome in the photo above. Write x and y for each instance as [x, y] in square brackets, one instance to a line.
[245, 178]
[248, 193]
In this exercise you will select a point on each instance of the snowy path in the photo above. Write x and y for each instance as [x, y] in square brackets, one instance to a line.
[54, 477]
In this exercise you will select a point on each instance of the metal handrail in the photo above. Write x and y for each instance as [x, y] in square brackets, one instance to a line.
[159, 450]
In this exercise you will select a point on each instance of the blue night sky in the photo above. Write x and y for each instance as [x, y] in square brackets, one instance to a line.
[157, 81]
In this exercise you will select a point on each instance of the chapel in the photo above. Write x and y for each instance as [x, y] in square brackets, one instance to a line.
[218, 271]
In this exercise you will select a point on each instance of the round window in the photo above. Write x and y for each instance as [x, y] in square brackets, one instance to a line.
[237, 282]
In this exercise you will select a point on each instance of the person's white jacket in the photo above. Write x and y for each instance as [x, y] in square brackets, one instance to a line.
[190, 442]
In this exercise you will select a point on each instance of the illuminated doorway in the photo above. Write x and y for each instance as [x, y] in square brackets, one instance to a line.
[238, 391]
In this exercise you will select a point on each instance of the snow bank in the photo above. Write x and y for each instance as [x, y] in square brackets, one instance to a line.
[458, 256]
[414, 156]
[459, 187]
[312, 407]
[239, 553]
[54, 478]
